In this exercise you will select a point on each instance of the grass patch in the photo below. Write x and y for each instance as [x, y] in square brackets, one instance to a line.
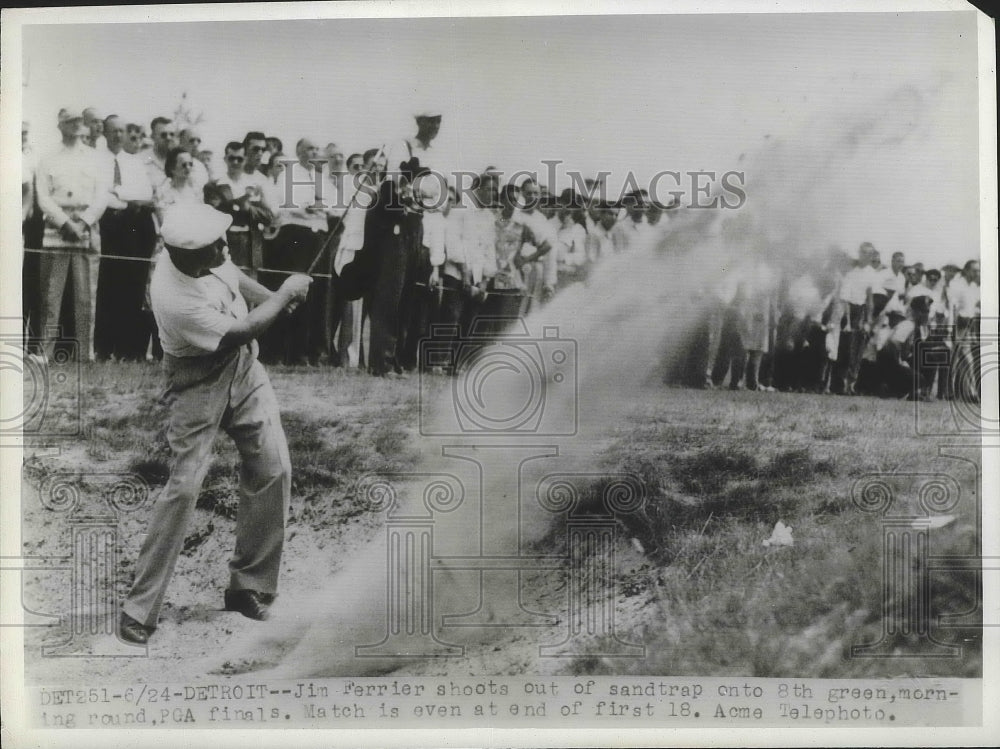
[687, 492]
[719, 602]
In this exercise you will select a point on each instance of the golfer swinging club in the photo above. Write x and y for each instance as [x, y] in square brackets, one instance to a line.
[214, 381]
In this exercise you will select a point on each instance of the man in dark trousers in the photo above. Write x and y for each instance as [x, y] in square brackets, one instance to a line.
[121, 330]
[393, 236]
[408, 160]
[32, 229]
[214, 381]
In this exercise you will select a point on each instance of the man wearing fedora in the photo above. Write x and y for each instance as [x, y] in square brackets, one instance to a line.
[73, 190]
[214, 381]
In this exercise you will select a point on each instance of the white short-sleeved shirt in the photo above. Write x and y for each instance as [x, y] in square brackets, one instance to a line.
[964, 297]
[435, 233]
[857, 283]
[539, 225]
[573, 239]
[193, 314]
[804, 300]
[243, 181]
[478, 233]
[891, 282]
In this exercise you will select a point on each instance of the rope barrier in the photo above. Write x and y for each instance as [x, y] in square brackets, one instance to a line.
[100, 256]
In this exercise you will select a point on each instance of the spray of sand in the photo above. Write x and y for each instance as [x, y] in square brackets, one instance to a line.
[633, 310]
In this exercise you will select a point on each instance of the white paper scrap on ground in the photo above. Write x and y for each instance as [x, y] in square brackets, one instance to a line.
[780, 536]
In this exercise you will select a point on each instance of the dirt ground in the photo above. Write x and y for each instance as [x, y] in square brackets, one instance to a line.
[193, 628]
[712, 600]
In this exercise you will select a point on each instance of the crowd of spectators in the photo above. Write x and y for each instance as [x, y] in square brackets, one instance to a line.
[840, 325]
[394, 250]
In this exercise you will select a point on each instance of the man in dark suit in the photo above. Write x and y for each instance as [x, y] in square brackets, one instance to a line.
[121, 329]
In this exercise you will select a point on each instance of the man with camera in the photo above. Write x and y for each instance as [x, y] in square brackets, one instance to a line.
[245, 197]
[214, 381]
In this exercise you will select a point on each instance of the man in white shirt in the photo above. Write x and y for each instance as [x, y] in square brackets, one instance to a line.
[73, 191]
[190, 141]
[963, 294]
[902, 361]
[121, 329]
[337, 190]
[548, 207]
[257, 147]
[418, 147]
[893, 284]
[133, 138]
[914, 284]
[95, 125]
[856, 294]
[572, 243]
[449, 259]
[473, 224]
[599, 241]
[356, 193]
[629, 231]
[538, 289]
[164, 135]
[214, 381]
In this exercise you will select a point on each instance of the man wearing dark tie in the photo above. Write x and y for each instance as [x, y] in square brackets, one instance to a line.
[122, 329]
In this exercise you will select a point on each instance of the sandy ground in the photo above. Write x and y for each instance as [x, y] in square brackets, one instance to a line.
[329, 531]
[194, 634]
[194, 629]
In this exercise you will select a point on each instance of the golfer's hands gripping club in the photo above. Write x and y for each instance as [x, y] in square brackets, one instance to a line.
[295, 289]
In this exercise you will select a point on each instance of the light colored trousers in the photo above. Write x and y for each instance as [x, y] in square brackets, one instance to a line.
[54, 269]
[356, 336]
[236, 397]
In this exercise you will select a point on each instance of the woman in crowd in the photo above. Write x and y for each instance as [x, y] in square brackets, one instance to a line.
[178, 187]
[572, 237]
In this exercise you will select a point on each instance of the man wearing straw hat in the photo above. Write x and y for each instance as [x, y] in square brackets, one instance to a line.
[214, 381]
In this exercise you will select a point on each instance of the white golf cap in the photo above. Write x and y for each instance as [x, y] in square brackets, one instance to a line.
[193, 226]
